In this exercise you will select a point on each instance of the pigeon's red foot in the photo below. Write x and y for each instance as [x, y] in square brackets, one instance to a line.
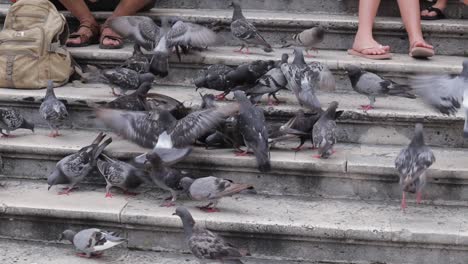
[207, 209]
[67, 191]
[220, 97]
[367, 107]
[317, 156]
[83, 255]
[109, 195]
[131, 193]
[8, 136]
[168, 204]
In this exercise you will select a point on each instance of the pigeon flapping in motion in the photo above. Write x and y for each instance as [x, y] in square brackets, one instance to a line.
[324, 132]
[138, 62]
[126, 79]
[10, 120]
[326, 79]
[206, 245]
[270, 83]
[142, 30]
[119, 174]
[211, 189]
[444, 93]
[135, 101]
[245, 31]
[372, 85]
[412, 164]
[53, 110]
[252, 127]
[161, 53]
[73, 168]
[214, 77]
[309, 39]
[91, 242]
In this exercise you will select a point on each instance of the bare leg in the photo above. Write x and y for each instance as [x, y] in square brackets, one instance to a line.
[403, 201]
[440, 4]
[80, 10]
[364, 41]
[418, 197]
[409, 10]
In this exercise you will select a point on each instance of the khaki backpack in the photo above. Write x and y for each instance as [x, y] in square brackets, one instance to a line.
[32, 46]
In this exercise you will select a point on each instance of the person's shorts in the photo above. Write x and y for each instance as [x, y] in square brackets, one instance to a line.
[102, 5]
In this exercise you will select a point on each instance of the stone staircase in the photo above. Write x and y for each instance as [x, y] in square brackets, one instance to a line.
[342, 210]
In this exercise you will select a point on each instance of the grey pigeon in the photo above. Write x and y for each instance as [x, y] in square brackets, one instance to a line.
[73, 168]
[53, 111]
[246, 75]
[270, 83]
[135, 101]
[91, 242]
[324, 132]
[142, 30]
[372, 85]
[189, 35]
[126, 79]
[206, 245]
[444, 93]
[211, 189]
[310, 38]
[303, 81]
[326, 79]
[161, 53]
[138, 62]
[245, 31]
[119, 174]
[214, 77]
[252, 127]
[10, 120]
[412, 164]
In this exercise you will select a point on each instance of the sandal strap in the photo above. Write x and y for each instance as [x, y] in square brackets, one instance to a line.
[438, 12]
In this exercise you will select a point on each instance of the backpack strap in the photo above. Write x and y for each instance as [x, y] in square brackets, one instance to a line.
[56, 47]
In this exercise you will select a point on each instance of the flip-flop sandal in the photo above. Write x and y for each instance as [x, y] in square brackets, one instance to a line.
[421, 52]
[112, 36]
[359, 53]
[439, 14]
[85, 40]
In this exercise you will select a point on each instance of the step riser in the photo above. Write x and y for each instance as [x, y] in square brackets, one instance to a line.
[357, 182]
[171, 239]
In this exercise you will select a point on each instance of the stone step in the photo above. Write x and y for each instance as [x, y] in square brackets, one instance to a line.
[355, 172]
[51, 252]
[271, 227]
[183, 73]
[392, 122]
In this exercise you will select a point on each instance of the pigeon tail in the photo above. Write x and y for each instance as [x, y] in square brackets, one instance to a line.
[27, 125]
[401, 90]
[99, 149]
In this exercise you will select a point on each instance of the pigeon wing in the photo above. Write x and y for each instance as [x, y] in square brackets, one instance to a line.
[247, 32]
[190, 34]
[205, 244]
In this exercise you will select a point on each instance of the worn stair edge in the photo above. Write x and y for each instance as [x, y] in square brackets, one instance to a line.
[251, 218]
[354, 172]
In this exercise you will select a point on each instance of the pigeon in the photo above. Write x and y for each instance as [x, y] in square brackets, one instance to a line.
[73, 168]
[138, 61]
[119, 174]
[214, 77]
[444, 93]
[160, 60]
[412, 164]
[189, 35]
[140, 29]
[246, 75]
[252, 127]
[302, 80]
[309, 38]
[372, 85]
[126, 79]
[245, 31]
[135, 101]
[326, 79]
[206, 245]
[324, 132]
[10, 120]
[212, 189]
[53, 111]
[91, 242]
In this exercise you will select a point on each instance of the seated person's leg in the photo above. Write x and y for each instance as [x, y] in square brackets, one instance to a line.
[111, 40]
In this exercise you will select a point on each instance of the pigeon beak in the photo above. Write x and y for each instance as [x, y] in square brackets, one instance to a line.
[48, 188]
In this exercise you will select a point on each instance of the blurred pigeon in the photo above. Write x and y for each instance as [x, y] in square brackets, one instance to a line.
[211, 189]
[138, 61]
[310, 38]
[10, 120]
[444, 93]
[135, 101]
[412, 164]
[140, 29]
[92, 242]
[126, 79]
[189, 35]
[372, 85]
[53, 111]
[73, 168]
[206, 245]
[160, 60]
[208, 101]
[326, 79]
[119, 174]
[214, 77]
[324, 132]
[302, 80]
[270, 83]
[245, 31]
[251, 122]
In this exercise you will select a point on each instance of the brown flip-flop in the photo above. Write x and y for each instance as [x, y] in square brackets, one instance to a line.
[359, 53]
[421, 52]
[111, 35]
[85, 40]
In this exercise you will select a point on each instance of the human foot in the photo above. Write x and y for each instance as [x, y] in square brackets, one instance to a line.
[421, 49]
[435, 11]
[86, 34]
[109, 39]
[369, 46]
